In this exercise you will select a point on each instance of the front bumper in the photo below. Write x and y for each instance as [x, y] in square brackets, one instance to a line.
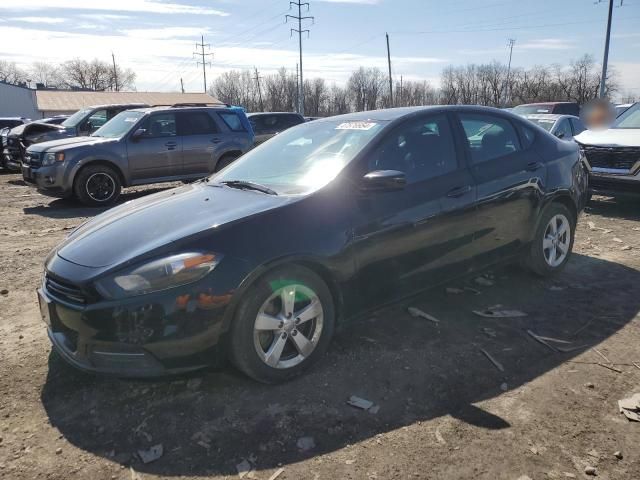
[601, 183]
[11, 159]
[151, 335]
[48, 180]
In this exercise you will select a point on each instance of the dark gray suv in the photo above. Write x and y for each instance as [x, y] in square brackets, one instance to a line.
[140, 146]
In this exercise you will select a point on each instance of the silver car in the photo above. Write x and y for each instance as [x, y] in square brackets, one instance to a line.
[136, 147]
[562, 126]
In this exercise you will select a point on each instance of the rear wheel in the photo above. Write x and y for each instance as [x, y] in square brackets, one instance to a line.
[553, 240]
[283, 325]
[97, 185]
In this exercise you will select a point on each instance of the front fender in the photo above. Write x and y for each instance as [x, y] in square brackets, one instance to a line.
[100, 155]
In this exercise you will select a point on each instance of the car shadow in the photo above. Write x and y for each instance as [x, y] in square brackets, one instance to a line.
[70, 208]
[413, 369]
[625, 207]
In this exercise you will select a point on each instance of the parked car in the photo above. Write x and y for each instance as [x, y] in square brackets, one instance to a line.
[82, 123]
[57, 120]
[613, 155]
[268, 125]
[562, 126]
[621, 108]
[324, 222]
[136, 147]
[561, 108]
[6, 124]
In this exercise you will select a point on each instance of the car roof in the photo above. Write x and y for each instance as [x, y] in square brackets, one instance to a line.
[546, 103]
[13, 118]
[390, 114]
[256, 114]
[111, 105]
[548, 116]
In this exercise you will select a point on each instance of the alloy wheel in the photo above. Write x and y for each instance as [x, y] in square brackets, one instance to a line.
[556, 240]
[100, 187]
[288, 326]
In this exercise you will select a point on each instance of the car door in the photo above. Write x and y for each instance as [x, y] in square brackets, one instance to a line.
[408, 239]
[157, 153]
[577, 126]
[200, 138]
[264, 127]
[510, 177]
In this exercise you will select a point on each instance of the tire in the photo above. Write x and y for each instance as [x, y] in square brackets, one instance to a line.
[97, 186]
[262, 305]
[225, 161]
[545, 261]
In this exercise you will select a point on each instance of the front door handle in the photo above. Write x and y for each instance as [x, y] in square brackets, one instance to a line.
[215, 140]
[459, 191]
[171, 145]
[533, 166]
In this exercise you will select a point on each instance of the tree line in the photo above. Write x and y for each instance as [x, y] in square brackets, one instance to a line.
[490, 84]
[73, 74]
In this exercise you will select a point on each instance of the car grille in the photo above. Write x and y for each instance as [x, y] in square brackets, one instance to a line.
[619, 158]
[64, 291]
[32, 159]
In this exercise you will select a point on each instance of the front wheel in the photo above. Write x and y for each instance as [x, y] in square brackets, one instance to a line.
[283, 325]
[553, 240]
[97, 186]
[225, 161]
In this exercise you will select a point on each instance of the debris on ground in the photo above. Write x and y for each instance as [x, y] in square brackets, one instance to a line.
[494, 312]
[626, 248]
[276, 474]
[496, 363]
[602, 355]
[374, 410]
[439, 437]
[489, 332]
[416, 312]
[591, 471]
[152, 454]
[473, 290]
[454, 291]
[194, 383]
[504, 387]
[617, 240]
[305, 444]
[630, 407]
[556, 288]
[360, 402]
[243, 468]
[609, 367]
[618, 455]
[4, 291]
[483, 281]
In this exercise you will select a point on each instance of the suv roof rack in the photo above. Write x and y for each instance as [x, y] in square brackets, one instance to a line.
[194, 104]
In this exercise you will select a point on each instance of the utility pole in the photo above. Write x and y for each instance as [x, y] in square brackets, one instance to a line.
[300, 31]
[401, 92]
[512, 42]
[204, 62]
[297, 89]
[390, 77]
[605, 60]
[115, 72]
[257, 79]
[181, 85]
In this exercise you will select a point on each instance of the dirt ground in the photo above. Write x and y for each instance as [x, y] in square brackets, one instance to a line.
[445, 411]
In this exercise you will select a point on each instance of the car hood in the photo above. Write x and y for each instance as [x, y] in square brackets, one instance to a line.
[613, 137]
[140, 226]
[69, 142]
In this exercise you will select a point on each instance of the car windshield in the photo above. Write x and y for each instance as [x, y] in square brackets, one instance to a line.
[76, 118]
[524, 109]
[545, 123]
[630, 118]
[119, 125]
[302, 159]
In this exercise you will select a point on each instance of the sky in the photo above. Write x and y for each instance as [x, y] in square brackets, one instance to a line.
[157, 38]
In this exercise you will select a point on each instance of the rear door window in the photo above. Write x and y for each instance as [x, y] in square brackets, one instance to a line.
[489, 137]
[196, 123]
[578, 126]
[564, 129]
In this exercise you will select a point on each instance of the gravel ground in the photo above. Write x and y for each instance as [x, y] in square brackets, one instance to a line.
[445, 411]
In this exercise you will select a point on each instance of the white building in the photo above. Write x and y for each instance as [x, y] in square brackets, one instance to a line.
[18, 101]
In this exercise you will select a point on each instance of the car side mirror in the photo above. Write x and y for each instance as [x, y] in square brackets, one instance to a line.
[560, 134]
[139, 133]
[384, 181]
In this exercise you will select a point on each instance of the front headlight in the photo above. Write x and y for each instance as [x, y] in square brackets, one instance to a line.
[157, 275]
[52, 158]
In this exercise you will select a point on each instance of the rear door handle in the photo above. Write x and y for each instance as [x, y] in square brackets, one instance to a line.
[533, 166]
[171, 145]
[459, 191]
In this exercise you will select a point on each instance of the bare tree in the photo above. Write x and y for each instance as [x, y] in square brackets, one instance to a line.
[95, 75]
[46, 74]
[11, 73]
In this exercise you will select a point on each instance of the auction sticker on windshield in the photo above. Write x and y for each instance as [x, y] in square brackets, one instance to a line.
[356, 126]
[131, 119]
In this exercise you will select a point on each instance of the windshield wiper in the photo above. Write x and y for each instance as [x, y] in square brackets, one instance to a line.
[244, 185]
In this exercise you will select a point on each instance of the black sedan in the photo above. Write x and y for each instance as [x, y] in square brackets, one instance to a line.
[327, 220]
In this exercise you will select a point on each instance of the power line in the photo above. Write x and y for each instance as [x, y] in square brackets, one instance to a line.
[204, 61]
[300, 31]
